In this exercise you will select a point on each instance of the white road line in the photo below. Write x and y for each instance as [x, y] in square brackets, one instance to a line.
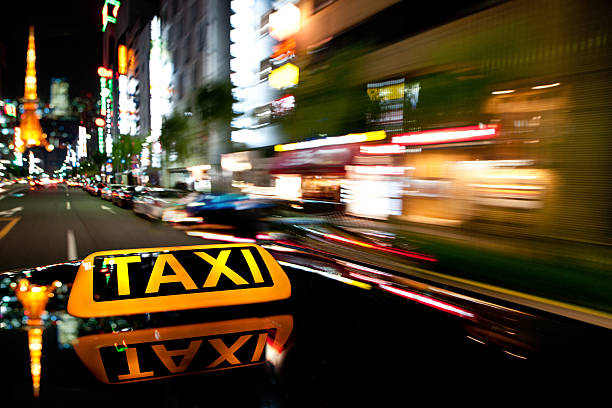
[67, 205]
[11, 212]
[107, 209]
[72, 249]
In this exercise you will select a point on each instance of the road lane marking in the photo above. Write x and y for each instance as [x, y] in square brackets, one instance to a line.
[11, 223]
[68, 205]
[107, 209]
[11, 212]
[10, 193]
[72, 249]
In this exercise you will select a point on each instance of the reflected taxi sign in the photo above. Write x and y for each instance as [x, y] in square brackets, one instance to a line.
[134, 281]
[150, 354]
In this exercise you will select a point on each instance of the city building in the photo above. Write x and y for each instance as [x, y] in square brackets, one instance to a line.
[125, 88]
[198, 41]
[59, 98]
[490, 111]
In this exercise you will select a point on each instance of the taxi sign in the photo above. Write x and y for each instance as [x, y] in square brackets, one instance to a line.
[150, 354]
[125, 282]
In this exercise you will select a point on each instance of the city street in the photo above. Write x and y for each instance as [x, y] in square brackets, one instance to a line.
[46, 226]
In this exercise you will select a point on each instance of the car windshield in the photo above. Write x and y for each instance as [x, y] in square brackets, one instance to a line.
[304, 202]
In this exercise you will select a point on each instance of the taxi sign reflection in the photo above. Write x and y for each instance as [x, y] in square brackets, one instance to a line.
[151, 354]
[152, 280]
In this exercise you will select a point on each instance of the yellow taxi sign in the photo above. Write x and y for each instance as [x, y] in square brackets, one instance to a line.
[150, 354]
[134, 281]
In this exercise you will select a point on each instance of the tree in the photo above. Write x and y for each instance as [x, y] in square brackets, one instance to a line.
[173, 132]
[123, 151]
[92, 165]
[214, 102]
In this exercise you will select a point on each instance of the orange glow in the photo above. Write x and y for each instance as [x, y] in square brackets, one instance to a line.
[247, 281]
[31, 131]
[35, 346]
[257, 336]
[105, 72]
[100, 122]
[284, 49]
[30, 79]
[122, 60]
[34, 299]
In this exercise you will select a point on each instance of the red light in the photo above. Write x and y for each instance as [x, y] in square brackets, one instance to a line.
[381, 248]
[100, 122]
[449, 135]
[436, 304]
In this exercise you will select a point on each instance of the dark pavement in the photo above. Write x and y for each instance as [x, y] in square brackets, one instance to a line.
[46, 226]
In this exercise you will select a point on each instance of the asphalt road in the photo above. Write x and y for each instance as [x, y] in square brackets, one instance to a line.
[46, 226]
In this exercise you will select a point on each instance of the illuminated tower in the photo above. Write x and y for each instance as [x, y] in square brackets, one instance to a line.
[31, 131]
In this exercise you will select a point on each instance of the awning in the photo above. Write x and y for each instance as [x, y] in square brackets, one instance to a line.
[322, 160]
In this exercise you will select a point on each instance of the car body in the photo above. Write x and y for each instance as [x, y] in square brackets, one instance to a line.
[96, 188]
[107, 192]
[344, 336]
[224, 207]
[125, 194]
[154, 201]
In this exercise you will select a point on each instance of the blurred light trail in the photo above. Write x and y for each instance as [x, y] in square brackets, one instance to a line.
[546, 86]
[381, 248]
[220, 237]
[460, 134]
[436, 304]
[339, 278]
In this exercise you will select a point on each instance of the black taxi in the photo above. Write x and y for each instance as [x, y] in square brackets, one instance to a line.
[274, 325]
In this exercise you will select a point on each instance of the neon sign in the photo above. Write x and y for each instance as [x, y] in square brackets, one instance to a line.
[449, 135]
[122, 60]
[10, 110]
[112, 18]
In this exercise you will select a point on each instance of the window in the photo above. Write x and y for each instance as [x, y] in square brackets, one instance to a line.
[187, 50]
[195, 12]
[202, 36]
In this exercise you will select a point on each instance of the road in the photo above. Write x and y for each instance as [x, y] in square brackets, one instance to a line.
[46, 226]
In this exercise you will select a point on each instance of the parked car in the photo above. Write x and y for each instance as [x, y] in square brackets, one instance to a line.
[156, 200]
[125, 195]
[96, 189]
[107, 192]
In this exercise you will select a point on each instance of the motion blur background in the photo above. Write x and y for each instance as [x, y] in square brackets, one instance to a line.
[477, 132]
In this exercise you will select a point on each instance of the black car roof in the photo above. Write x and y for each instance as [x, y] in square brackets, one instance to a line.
[347, 344]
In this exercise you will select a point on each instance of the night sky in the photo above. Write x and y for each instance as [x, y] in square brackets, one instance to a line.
[68, 44]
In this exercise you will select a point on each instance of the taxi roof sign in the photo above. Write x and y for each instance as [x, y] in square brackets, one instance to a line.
[151, 280]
